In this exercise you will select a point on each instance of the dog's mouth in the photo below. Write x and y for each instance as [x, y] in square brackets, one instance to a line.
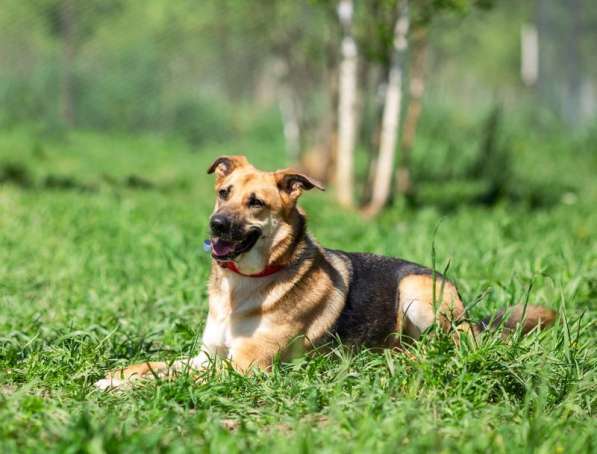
[227, 249]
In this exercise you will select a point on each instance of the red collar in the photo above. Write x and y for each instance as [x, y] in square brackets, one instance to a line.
[270, 269]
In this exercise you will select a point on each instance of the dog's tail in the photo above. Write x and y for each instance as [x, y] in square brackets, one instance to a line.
[527, 317]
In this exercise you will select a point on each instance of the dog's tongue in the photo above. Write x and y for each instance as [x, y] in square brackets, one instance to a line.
[221, 247]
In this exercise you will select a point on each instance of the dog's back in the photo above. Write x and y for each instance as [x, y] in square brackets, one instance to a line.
[371, 312]
[390, 299]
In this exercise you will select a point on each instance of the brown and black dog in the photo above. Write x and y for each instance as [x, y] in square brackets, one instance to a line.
[271, 283]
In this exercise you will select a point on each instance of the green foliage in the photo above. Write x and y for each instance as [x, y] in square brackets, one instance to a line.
[140, 65]
[199, 122]
[484, 157]
[96, 279]
[375, 21]
[86, 15]
[424, 11]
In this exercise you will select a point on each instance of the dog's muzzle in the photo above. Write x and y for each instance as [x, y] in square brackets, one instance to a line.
[229, 238]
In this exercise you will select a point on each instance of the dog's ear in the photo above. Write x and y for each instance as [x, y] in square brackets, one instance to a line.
[294, 183]
[225, 165]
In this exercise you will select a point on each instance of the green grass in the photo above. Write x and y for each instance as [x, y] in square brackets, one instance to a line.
[101, 265]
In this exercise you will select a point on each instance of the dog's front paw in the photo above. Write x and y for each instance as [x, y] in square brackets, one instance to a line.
[108, 383]
[124, 378]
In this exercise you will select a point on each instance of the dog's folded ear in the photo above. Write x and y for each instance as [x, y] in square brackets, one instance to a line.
[294, 183]
[225, 165]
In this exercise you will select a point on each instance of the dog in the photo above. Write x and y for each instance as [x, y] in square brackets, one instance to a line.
[273, 287]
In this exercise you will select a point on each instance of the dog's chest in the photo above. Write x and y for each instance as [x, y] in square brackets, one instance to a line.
[217, 338]
[233, 314]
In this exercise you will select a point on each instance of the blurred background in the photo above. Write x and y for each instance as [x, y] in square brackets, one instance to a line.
[459, 134]
[441, 102]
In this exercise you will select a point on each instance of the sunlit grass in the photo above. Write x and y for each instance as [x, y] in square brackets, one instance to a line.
[92, 279]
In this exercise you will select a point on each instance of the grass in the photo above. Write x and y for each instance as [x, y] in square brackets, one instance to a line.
[101, 265]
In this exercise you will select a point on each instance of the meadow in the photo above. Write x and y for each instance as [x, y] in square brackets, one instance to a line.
[101, 265]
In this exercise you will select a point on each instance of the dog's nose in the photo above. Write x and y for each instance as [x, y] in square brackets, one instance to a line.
[219, 224]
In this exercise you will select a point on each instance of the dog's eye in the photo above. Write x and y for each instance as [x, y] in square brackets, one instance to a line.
[254, 202]
[224, 193]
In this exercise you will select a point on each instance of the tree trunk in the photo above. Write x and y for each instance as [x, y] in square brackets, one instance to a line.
[319, 161]
[574, 66]
[290, 119]
[378, 75]
[391, 116]
[347, 106]
[289, 110]
[543, 32]
[413, 111]
[68, 53]
[529, 54]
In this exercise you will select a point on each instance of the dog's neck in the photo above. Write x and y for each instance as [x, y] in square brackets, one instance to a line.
[289, 249]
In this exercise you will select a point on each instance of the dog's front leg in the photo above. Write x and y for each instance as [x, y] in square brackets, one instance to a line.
[211, 348]
[122, 378]
[249, 353]
[125, 377]
[196, 362]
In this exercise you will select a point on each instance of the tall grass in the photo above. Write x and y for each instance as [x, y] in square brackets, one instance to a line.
[100, 278]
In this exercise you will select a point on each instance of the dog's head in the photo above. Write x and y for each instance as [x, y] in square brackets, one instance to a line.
[254, 211]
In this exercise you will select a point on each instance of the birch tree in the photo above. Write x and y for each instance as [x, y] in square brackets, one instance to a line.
[347, 106]
[290, 111]
[529, 54]
[391, 115]
[67, 24]
[414, 107]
